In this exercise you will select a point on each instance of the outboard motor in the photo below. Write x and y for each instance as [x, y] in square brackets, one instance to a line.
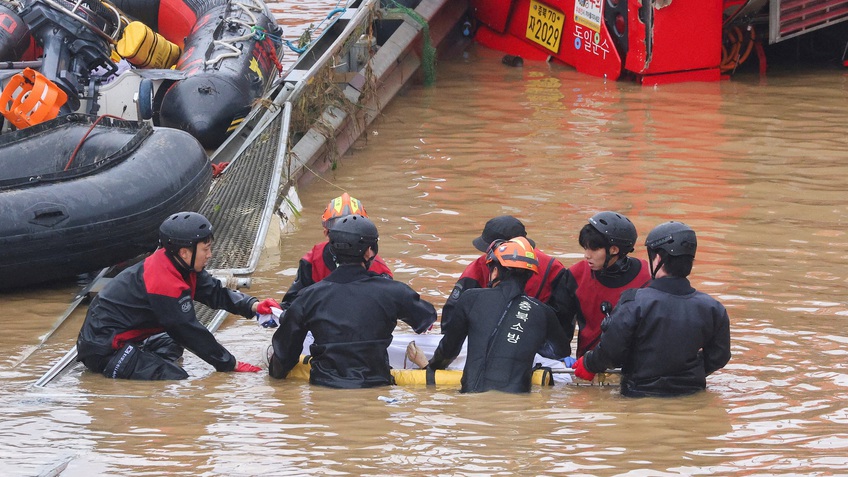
[76, 39]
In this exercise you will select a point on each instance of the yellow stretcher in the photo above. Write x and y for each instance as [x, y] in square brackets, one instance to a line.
[422, 377]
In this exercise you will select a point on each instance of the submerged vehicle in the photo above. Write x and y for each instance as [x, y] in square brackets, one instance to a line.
[651, 41]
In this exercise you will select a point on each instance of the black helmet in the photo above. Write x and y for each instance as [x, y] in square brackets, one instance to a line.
[676, 238]
[352, 235]
[618, 229]
[184, 230]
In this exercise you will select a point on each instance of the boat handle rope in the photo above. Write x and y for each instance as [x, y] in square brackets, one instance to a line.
[301, 49]
[228, 44]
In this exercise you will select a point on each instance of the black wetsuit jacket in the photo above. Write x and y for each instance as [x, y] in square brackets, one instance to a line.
[505, 328]
[318, 264]
[153, 296]
[351, 314]
[667, 338]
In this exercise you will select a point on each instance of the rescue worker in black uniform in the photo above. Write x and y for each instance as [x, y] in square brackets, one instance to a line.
[139, 324]
[667, 337]
[319, 262]
[476, 274]
[505, 327]
[351, 314]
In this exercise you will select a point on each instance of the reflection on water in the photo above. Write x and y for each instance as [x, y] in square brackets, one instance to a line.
[757, 168]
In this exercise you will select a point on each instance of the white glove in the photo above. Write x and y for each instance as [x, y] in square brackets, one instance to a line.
[271, 320]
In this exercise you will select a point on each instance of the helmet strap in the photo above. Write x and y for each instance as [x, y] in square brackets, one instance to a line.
[607, 264]
[651, 255]
[493, 282]
[607, 259]
[178, 261]
[193, 256]
[368, 261]
[619, 265]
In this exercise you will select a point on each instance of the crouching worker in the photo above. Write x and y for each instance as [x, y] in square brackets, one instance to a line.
[139, 324]
[667, 337]
[351, 314]
[505, 327]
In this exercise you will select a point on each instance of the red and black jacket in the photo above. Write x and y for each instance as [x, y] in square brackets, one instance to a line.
[153, 296]
[583, 291]
[540, 286]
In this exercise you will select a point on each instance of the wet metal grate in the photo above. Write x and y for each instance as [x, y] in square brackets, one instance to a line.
[205, 315]
[235, 207]
[237, 200]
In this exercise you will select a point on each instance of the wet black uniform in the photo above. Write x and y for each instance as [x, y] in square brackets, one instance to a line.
[351, 314]
[505, 329]
[667, 338]
[147, 299]
[317, 265]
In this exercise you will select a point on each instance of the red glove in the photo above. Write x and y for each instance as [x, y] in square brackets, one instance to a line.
[246, 368]
[264, 306]
[218, 169]
[581, 372]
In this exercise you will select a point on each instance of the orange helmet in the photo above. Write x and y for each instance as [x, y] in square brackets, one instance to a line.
[516, 253]
[342, 206]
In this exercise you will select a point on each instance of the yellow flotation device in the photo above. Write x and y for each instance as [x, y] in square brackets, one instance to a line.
[145, 48]
[421, 377]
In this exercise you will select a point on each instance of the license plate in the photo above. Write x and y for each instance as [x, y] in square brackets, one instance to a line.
[544, 26]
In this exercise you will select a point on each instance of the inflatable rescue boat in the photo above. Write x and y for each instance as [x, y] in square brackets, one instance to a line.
[195, 65]
[79, 193]
[229, 57]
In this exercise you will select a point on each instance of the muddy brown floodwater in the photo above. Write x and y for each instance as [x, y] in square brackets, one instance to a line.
[756, 167]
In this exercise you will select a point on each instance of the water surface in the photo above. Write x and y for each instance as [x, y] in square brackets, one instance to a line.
[757, 167]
